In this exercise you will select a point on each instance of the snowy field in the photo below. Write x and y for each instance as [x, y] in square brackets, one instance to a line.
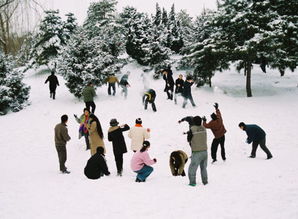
[31, 185]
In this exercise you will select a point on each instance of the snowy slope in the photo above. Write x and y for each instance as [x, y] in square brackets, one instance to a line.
[32, 187]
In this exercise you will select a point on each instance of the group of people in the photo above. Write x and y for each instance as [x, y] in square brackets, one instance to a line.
[90, 128]
[141, 163]
[182, 88]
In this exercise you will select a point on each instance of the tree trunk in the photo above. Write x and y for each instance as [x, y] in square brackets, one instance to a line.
[3, 35]
[248, 80]
[210, 84]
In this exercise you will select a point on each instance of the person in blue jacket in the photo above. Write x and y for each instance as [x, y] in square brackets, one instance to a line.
[257, 136]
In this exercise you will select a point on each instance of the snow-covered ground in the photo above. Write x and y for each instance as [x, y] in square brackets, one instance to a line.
[32, 187]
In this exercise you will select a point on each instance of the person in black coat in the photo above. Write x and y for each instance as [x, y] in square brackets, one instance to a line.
[53, 83]
[257, 136]
[96, 166]
[168, 77]
[149, 97]
[179, 87]
[187, 91]
[115, 135]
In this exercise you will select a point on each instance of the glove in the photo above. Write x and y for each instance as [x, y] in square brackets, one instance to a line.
[204, 119]
[179, 121]
[216, 105]
[154, 159]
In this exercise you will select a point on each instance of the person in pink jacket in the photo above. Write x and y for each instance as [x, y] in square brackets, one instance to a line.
[141, 163]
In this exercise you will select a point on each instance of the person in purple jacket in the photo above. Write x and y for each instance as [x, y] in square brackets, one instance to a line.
[141, 163]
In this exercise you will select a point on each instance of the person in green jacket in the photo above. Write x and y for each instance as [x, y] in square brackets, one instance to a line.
[88, 95]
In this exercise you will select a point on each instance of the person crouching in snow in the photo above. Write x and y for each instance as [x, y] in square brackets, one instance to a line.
[141, 163]
[218, 129]
[149, 97]
[178, 160]
[96, 166]
[257, 136]
[115, 135]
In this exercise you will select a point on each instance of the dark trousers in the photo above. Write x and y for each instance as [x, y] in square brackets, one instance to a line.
[119, 162]
[262, 144]
[112, 86]
[214, 146]
[87, 141]
[152, 104]
[92, 105]
[169, 91]
[53, 93]
[62, 155]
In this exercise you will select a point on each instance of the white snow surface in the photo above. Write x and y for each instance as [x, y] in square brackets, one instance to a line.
[31, 185]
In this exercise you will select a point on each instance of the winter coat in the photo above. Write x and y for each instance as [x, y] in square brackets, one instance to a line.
[83, 120]
[138, 134]
[112, 79]
[169, 81]
[216, 126]
[53, 82]
[188, 119]
[254, 133]
[88, 94]
[115, 135]
[95, 140]
[149, 95]
[96, 167]
[140, 159]
[198, 138]
[187, 89]
[179, 85]
[61, 134]
[178, 160]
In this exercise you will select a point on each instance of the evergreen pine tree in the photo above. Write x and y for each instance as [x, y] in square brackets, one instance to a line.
[99, 15]
[157, 17]
[14, 93]
[102, 22]
[49, 40]
[186, 26]
[84, 60]
[164, 17]
[70, 25]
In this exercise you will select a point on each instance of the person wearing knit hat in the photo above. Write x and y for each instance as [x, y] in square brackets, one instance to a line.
[138, 121]
[138, 134]
[115, 135]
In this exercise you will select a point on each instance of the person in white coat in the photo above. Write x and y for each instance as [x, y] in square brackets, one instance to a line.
[138, 134]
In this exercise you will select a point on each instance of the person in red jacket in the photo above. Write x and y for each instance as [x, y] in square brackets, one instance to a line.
[218, 129]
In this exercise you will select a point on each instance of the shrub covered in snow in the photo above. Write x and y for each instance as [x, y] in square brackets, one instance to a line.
[13, 92]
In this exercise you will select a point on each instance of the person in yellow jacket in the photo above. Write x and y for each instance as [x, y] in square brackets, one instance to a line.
[112, 80]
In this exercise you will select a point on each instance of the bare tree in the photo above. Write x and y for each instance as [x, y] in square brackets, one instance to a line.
[16, 19]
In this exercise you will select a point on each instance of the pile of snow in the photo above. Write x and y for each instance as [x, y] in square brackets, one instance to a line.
[32, 187]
